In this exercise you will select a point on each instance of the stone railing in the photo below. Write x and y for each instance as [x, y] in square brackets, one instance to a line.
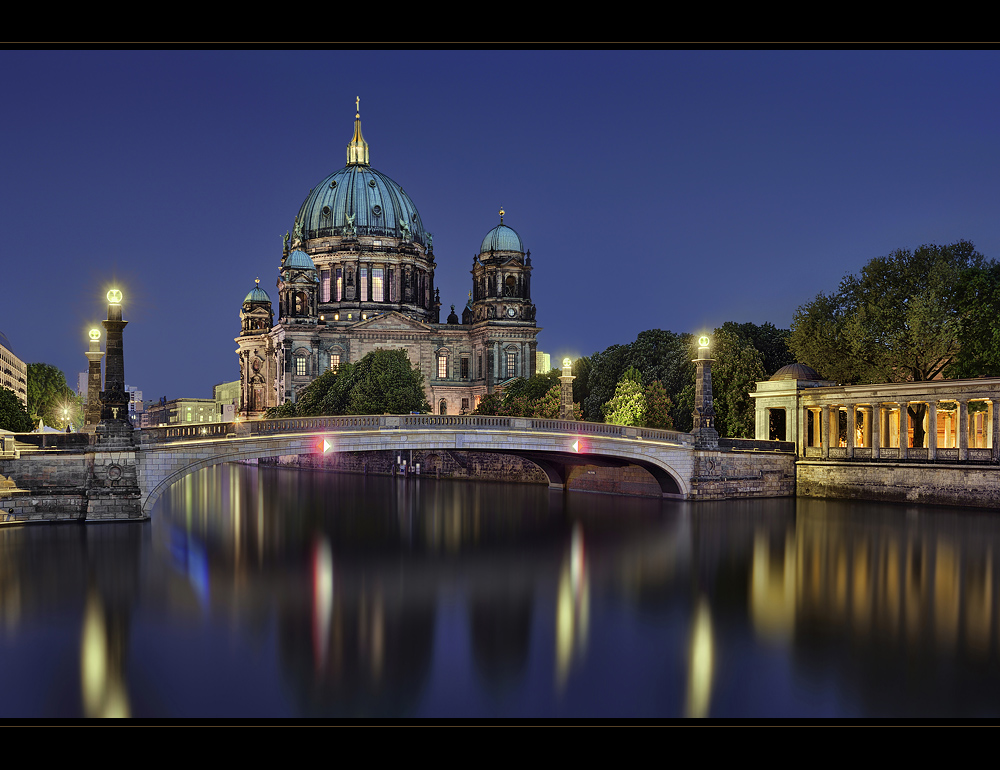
[892, 454]
[756, 445]
[250, 428]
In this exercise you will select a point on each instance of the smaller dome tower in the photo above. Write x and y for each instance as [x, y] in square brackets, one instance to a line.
[297, 288]
[501, 278]
[256, 352]
[256, 317]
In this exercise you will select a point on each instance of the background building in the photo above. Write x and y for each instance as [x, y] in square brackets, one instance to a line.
[13, 371]
[357, 274]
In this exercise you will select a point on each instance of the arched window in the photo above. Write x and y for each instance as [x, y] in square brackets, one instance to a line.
[443, 407]
[442, 371]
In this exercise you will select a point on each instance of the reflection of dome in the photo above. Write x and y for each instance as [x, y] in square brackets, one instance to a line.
[299, 260]
[376, 204]
[501, 238]
[796, 372]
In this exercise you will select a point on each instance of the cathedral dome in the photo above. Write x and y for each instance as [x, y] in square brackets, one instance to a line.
[501, 238]
[359, 197]
[257, 294]
[299, 260]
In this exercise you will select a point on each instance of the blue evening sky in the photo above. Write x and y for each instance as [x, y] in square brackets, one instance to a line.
[655, 189]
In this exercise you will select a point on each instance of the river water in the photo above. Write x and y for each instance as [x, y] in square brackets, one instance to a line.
[272, 592]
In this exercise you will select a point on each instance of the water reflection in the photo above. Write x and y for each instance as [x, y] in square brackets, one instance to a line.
[272, 592]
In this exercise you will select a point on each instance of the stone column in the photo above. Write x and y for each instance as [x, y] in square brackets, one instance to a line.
[904, 430]
[803, 429]
[963, 429]
[825, 431]
[995, 429]
[932, 437]
[876, 430]
[705, 435]
[566, 391]
[92, 412]
[851, 427]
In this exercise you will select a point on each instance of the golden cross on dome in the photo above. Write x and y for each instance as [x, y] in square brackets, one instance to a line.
[501, 215]
[258, 281]
[357, 106]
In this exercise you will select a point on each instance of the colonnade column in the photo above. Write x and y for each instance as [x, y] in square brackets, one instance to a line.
[963, 429]
[904, 429]
[825, 430]
[932, 430]
[876, 430]
[802, 439]
[994, 429]
[851, 427]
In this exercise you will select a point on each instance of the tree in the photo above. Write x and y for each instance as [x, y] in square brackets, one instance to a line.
[383, 382]
[900, 319]
[48, 395]
[628, 405]
[13, 416]
[658, 406]
[738, 367]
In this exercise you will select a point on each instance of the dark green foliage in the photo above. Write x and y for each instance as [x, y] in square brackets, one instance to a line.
[904, 317]
[744, 354]
[658, 406]
[979, 309]
[13, 416]
[738, 367]
[538, 396]
[48, 395]
[383, 382]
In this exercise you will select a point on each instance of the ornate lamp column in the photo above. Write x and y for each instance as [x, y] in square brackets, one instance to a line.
[566, 391]
[115, 428]
[92, 412]
[705, 435]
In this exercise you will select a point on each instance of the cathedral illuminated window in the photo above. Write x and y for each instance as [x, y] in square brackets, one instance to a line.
[300, 365]
[325, 286]
[377, 288]
[334, 361]
[363, 280]
[511, 362]
[340, 284]
[443, 366]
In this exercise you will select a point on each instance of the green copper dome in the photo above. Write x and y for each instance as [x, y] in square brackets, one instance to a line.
[360, 198]
[257, 294]
[501, 238]
[299, 260]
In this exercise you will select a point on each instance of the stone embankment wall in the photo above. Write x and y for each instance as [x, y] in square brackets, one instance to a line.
[962, 485]
[482, 466]
[732, 475]
[80, 486]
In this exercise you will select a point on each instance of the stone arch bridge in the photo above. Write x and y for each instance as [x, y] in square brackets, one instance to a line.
[97, 484]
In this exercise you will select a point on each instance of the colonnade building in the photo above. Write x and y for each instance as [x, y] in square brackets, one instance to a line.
[934, 420]
[357, 274]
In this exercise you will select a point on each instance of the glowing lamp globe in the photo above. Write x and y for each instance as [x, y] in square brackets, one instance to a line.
[567, 363]
[703, 342]
[115, 297]
[95, 334]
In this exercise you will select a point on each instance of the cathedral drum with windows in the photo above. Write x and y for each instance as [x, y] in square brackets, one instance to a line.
[357, 274]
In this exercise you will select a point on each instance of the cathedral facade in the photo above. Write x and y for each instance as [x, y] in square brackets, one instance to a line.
[357, 274]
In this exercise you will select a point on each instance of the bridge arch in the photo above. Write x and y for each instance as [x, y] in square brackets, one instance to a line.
[552, 445]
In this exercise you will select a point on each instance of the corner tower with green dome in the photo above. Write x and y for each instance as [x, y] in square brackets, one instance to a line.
[357, 274]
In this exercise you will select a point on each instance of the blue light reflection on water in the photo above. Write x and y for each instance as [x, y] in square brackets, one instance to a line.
[276, 592]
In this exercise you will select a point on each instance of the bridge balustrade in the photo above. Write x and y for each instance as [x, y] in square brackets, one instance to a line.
[250, 428]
